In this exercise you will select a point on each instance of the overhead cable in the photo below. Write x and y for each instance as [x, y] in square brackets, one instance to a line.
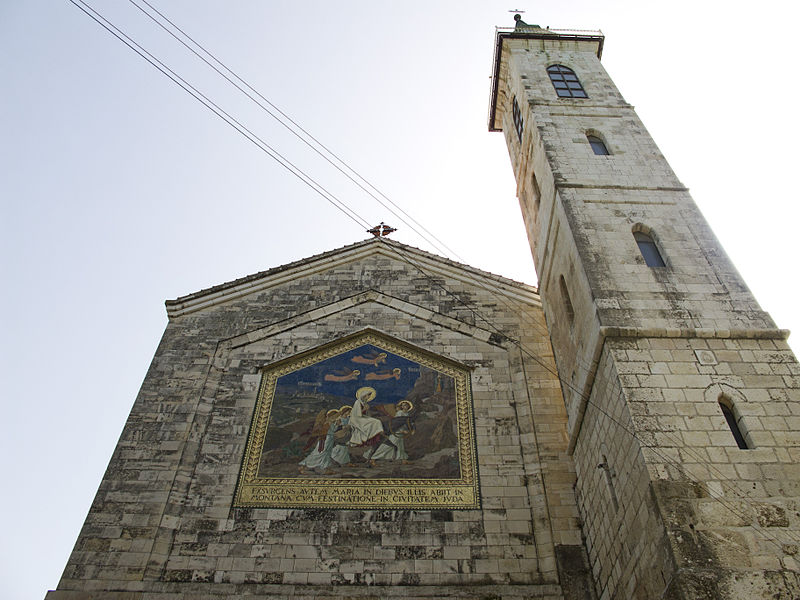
[353, 215]
[293, 127]
[221, 113]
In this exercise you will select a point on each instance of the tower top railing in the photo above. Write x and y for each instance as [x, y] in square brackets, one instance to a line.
[569, 32]
[535, 32]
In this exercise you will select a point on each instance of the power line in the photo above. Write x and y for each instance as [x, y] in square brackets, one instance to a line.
[232, 121]
[337, 162]
[221, 113]
[175, 26]
[616, 389]
[232, 73]
[294, 123]
[340, 205]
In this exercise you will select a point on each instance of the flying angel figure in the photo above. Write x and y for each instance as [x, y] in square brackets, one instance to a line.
[343, 375]
[370, 358]
[385, 374]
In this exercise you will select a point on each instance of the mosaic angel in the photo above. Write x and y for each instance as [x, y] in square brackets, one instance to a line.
[326, 452]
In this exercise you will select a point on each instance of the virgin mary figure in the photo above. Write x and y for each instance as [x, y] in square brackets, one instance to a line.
[365, 430]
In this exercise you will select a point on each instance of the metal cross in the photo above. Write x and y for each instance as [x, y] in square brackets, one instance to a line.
[381, 230]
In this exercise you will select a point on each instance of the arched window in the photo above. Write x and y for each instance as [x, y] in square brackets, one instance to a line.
[516, 114]
[598, 146]
[649, 250]
[566, 82]
[733, 423]
[567, 302]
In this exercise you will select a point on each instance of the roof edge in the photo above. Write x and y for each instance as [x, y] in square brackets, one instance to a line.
[251, 283]
[258, 275]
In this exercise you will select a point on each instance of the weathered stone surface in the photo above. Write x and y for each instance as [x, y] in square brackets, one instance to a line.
[315, 592]
[617, 478]
[163, 520]
[671, 506]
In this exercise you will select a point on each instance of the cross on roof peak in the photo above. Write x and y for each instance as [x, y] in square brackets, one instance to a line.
[381, 230]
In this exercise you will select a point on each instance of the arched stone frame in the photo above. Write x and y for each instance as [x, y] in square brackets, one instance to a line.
[649, 232]
[562, 73]
[728, 396]
[536, 192]
[594, 133]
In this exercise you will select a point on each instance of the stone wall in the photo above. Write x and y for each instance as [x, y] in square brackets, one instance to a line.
[671, 506]
[163, 520]
[686, 496]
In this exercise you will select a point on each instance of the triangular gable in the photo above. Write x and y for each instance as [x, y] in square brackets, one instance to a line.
[402, 306]
[427, 263]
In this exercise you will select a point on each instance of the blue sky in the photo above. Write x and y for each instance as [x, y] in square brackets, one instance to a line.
[120, 191]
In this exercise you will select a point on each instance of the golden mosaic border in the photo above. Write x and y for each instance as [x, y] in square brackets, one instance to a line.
[318, 492]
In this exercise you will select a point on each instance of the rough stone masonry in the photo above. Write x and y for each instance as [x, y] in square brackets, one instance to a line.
[651, 353]
[637, 422]
[163, 524]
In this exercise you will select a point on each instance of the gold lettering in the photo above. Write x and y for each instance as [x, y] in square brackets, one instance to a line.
[360, 496]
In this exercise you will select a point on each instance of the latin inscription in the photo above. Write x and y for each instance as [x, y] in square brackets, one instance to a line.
[344, 497]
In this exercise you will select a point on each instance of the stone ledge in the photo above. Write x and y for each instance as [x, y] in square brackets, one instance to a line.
[610, 331]
[209, 591]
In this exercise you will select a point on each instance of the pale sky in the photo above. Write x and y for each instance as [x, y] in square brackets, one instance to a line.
[120, 191]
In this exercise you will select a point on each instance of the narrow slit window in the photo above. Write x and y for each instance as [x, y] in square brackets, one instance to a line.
[598, 146]
[609, 482]
[567, 302]
[730, 417]
[516, 114]
[566, 82]
[649, 250]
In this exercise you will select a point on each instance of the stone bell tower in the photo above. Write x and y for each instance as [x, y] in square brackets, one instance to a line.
[681, 393]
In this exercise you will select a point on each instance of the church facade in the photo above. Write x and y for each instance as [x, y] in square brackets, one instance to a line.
[178, 513]
[378, 422]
